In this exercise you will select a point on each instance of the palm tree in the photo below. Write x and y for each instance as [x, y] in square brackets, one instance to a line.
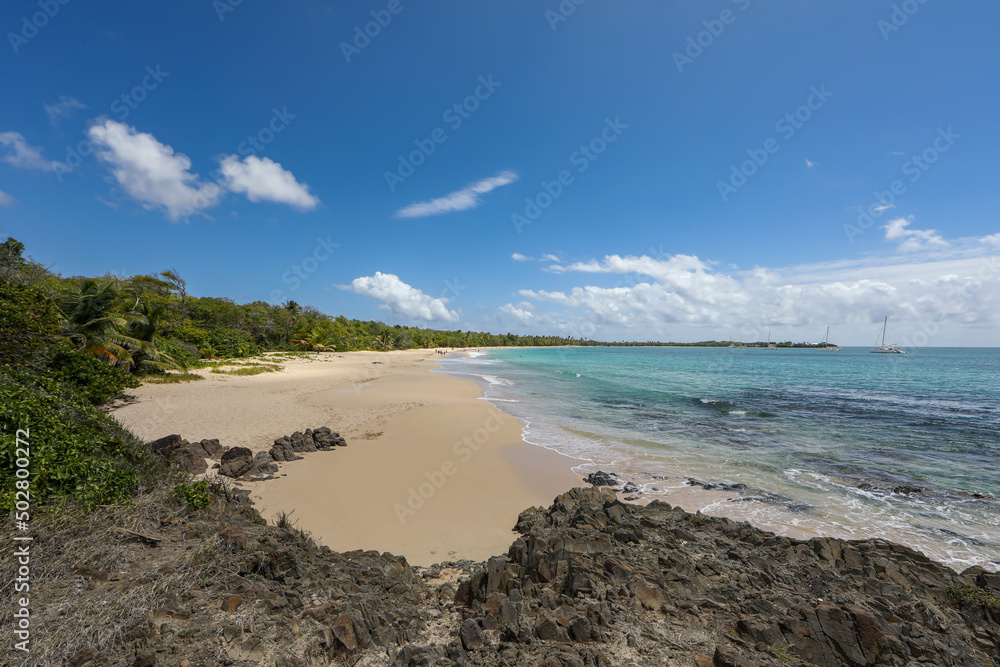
[143, 331]
[316, 339]
[95, 316]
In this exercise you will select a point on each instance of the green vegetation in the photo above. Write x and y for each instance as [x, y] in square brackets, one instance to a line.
[255, 369]
[973, 596]
[173, 378]
[196, 494]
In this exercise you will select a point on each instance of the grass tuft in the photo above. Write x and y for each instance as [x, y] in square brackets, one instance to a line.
[172, 378]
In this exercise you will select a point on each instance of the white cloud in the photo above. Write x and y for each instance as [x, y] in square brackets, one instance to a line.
[401, 299]
[883, 207]
[810, 164]
[6, 199]
[460, 200]
[151, 172]
[518, 257]
[22, 155]
[912, 240]
[940, 299]
[265, 180]
[521, 315]
[156, 176]
[62, 109]
[550, 258]
[992, 239]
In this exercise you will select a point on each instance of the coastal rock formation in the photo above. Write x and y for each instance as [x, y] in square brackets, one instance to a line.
[601, 478]
[187, 456]
[240, 462]
[236, 462]
[590, 569]
[590, 582]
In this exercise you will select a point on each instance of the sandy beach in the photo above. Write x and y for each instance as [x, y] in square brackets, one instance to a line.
[431, 471]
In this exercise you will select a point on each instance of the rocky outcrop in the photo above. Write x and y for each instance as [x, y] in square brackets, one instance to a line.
[590, 582]
[240, 462]
[236, 462]
[593, 573]
[187, 456]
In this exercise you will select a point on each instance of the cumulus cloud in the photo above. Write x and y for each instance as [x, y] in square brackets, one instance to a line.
[22, 155]
[518, 257]
[401, 299]
[6, 199]
[151, 172]
[265, 180]
[912, 240]
[460, 200]
[521, 313]
[157, 177]
[62, 109]
[992, 240]
[684, 297]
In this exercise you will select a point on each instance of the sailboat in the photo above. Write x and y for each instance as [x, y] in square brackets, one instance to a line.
[883, 347]
[826, 346]
[770, 345]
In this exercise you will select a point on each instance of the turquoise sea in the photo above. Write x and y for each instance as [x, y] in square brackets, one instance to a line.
[802, 442]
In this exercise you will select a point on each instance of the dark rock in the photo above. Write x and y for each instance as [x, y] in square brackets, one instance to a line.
[264, 463]
[236, 462]
[601, 478]
[167, 444]
[190, 459]
[282, 451]
[212, 448]
[471, 635]
[630, 488]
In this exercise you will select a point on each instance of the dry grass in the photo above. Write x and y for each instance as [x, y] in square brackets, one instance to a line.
[172, 378]
[255, 369]
[91, 576]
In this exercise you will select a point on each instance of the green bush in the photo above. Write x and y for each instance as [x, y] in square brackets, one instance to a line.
[232, 343]
[76, 451]
[185, 353]
[973, 596]
[196, 494]
[97, 380]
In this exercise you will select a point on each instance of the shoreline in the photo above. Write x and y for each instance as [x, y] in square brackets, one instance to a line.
[431, 472]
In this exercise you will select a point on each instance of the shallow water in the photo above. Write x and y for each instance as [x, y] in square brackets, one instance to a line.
[847, 444]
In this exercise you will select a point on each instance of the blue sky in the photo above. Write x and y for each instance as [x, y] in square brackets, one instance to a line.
[629, 170]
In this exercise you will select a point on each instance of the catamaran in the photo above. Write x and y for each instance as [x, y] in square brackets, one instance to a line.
[826, 346]
[883, 347]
